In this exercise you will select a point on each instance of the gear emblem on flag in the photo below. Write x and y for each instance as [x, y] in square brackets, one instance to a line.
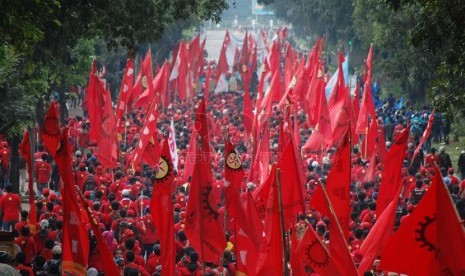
[422, 235]
[316, 255]
[144, 82]
[208, 205]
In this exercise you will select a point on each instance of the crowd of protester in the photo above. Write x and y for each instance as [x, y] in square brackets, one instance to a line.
[119, 197]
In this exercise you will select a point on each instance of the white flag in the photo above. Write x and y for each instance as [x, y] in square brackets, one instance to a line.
[173, 147]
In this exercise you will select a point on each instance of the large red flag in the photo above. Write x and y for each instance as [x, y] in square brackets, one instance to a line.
[315, 255]
[147, 132]
[292, 183]
[270, 256]
[189, 162]
[338, 183]
[160, 88]
[378, 236]
[75, 237]
[125, 91]
[25, 151]
[144, 79]
[161, 208]
[109, 265]
[95, 91]
[338, 248]
[226, 57]
[51, 129]
[425, 136]
[107, 144]
[369, 143]
[203, 222]
[431, 241]
[392, 171]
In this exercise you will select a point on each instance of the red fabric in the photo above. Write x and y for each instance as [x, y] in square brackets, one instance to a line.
[432, 236]
[107, 144]
[125, 91]
[25, 151]
[356, 100]
[367, 107]
[95, 101]
[148, 131]
[292, 184]
[247, 112]
[203, 224]
[338, 247]
[106, 257]
[190, 157]
[338, 184]
[51, 129]
[75, 237]
[369, 143]
[223, 66]
[9, 205]
[270, 256]
[425, 135]
[144, 79]
[161, 209]
[378, 236]
[392, 171]
[312, 253]
[160, 88]
[27, 246]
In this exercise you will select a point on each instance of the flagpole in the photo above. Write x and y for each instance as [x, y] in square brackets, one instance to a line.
[281, 219]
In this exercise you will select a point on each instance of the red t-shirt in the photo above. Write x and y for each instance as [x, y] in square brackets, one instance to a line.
[28, 247]
[43, 170]
[9, 205]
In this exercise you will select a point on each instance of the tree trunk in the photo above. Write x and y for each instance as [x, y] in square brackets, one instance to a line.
[13, 178]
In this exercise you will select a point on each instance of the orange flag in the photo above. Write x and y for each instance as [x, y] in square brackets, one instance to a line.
[431, 241]
[161, 208]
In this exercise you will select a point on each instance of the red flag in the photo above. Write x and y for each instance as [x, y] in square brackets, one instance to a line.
[367, 108]
[338, 248]
[292, 183]
[272, 93]
[190, 157]
[25, 151]
[144, 79]
[425, 136]
[161, 208]
[315, 255]
[369, 143]
[206, 93]
[125, 91]
[107, 144]
[431, 241]
[270, 256]
[356, 100]
[392, 171]
[203, 222]
[338, 183]
[378, 236]
[95, 104]
[226, 58]
[109, 265]
[147, 132]
[160, 88]
[75, 237]
[51, 129]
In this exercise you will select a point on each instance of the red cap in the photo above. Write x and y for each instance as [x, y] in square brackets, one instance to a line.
[46, 192]
[87, 194]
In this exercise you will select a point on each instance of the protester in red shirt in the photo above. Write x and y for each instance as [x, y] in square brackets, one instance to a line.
[43, 172]
[132, 267]
[27, 245]
[21, 267]
[10, 207]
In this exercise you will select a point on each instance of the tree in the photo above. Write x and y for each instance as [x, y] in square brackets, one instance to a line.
[316, 17]
[440, 27]
[412, 66]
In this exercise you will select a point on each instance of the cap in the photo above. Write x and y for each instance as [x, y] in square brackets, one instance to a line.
[46, 192]
[87, 194]
[125, 192]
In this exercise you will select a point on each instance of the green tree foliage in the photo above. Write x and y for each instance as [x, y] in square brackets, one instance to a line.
[411, 66]
[441, 28]
[316, 17]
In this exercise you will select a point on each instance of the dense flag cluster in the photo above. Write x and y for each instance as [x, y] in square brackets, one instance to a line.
[273, 227]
